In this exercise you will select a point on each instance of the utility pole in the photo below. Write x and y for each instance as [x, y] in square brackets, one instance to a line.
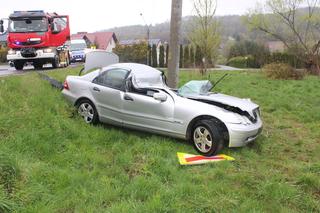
[174, 51]
[148, 38]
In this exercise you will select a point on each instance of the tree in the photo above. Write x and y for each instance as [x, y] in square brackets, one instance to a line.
[198, 57]
[149, 55]
[298, 32]
[154, 56]
[245, 48]
[204, 33]
[186, 56]
[134, 53]
[161, 56]
[181, 57]
[192, 56]
[167, 55]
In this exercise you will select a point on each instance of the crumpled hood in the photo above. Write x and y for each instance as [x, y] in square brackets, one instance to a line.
[243, 104]
[227, 100]
[199, 90]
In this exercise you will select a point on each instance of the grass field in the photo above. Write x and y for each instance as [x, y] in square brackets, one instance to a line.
[51, 161]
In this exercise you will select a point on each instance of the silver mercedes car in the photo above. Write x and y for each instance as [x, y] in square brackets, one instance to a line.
[136, 96]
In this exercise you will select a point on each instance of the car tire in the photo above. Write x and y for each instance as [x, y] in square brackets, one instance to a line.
[55, 62]
[206, 137]
[18, 65]
[88, 112]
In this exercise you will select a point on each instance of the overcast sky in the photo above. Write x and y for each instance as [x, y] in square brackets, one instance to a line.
[93, 15]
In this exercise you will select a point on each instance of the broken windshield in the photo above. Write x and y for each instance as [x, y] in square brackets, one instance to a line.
[195, 88]
[28, 25]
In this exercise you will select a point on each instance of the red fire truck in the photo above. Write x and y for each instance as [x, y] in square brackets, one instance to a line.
[39, 38]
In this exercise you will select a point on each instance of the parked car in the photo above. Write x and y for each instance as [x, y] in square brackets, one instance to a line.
[136, 96]
[77, 50]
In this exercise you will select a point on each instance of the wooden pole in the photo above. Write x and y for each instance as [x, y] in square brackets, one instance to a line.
[174, 51]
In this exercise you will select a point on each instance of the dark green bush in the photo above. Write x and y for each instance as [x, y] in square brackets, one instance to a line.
[286, 58]
[241, 62]
[282, 71]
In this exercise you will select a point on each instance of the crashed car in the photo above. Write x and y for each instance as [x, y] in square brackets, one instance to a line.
[136, 96]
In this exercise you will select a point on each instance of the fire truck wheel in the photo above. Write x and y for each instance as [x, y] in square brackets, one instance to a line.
[55, 62]
[18, 65]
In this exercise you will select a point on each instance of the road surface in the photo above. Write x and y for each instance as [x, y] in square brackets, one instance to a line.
[6, 70]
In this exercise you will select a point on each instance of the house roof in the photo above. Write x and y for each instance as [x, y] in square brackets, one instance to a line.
[138, 41]
[102, 39]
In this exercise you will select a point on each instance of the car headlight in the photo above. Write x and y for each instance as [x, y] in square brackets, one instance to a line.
[47, 50]
[11, 52]
[240, 119]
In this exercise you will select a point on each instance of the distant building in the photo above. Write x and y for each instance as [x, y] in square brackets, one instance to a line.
[100, 40]
[275, 46]
[3, 40]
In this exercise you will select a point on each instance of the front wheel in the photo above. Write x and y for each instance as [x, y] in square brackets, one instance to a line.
[88, 112]
[206, 137]
[55, 61]
[18, 65]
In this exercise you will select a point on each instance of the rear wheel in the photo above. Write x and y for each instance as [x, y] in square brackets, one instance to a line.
[206, 137]
[88, 112]
[18, 65]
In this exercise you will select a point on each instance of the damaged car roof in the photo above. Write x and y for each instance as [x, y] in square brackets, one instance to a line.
[142, 75]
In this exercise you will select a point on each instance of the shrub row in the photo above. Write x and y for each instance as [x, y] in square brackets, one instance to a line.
[250, 61]
[283, 71]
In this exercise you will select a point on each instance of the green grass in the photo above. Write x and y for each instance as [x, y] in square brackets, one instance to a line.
[51, 161]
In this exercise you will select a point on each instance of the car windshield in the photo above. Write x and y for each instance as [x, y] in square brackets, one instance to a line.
[195, 88]
[78, 46]
[28, 25]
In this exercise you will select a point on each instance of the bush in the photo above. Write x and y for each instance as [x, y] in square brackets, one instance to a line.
[282, 71]
[241, 62]
[3, 55]
[286, 58]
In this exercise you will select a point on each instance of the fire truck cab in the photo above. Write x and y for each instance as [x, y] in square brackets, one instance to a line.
[39, 38]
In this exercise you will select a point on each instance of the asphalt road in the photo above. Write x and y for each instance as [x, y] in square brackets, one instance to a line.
[6, 70]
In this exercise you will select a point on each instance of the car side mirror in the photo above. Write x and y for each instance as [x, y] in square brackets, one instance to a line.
[159, 96]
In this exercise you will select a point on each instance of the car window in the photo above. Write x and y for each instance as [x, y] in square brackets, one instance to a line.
[113, 78]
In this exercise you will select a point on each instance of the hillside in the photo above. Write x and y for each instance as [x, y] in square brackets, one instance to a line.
[232, 25]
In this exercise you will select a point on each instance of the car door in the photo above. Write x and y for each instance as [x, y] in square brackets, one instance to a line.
[107, 90]
[142, 111]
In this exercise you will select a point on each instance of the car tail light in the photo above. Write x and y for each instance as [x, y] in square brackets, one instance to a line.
[65, 85]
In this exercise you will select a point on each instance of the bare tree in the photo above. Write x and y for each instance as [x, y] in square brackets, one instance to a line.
[286, 21]
[204, 32]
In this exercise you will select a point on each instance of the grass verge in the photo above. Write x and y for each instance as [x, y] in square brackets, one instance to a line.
[54, 162]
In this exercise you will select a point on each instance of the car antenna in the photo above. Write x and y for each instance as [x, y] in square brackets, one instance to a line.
[220, 79]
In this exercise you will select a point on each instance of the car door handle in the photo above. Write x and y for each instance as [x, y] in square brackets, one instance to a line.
[127, 97]
[96, 89]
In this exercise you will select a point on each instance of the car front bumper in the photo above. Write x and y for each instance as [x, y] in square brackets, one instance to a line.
[39, 55]
[241, 135]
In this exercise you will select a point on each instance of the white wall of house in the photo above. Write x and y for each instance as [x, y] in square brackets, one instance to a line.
[111, 45]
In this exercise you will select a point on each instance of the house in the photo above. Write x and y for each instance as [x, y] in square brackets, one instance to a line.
[3, 40]
[100, 40]
[275, 46]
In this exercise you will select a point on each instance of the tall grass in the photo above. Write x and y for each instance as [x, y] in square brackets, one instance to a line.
[57, 163]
